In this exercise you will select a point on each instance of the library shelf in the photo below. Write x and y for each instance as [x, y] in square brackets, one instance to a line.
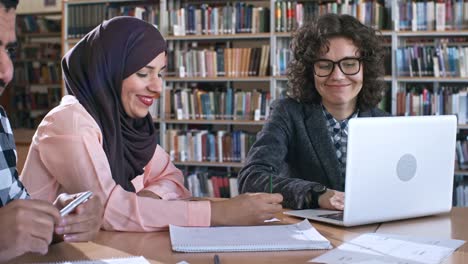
[218, 79]
[215, 122]
[220, 36]
[209, 164]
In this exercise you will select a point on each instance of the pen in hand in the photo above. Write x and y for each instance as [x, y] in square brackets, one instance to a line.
[271, 184]
[216, 259]
[83, 197]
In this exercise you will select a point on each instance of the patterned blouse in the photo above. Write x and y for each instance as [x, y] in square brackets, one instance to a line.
[338, 131]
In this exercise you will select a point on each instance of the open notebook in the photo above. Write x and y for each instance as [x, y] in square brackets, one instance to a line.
[298, 236]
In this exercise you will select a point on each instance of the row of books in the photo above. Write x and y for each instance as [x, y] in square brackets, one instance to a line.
[215, 61]
[460, 192]
[462, 153]
[39, 98]
[207, 184]
[154, 109]
[240, 17]
[432, 15]
[39, 51]
[82, 18]
[444, 101]
[35, 72]
[211, 62]
[293, 14]
[204, 145]
[38, 24]
[436, 61]
[224, 105]
[231, 18]
[31, 104]
[22, 119]
[283, 56]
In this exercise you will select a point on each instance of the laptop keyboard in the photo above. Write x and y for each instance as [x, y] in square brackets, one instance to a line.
[336, 216]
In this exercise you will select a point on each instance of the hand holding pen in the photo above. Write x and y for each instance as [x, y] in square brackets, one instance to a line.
[81, 216]
[216, 259]
[83, 197]
[271, 184]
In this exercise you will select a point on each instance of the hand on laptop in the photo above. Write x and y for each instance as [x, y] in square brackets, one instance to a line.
[332, 199]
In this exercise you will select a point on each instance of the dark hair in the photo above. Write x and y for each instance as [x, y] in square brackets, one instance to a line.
[308, 43]
[9, 4]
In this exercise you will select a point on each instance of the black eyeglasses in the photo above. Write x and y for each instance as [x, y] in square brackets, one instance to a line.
[348, 66]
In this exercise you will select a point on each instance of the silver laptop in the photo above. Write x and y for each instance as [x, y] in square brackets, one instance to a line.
[397, 168]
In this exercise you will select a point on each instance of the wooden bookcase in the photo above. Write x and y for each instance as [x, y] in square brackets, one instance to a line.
[36, 86]
[395, 24]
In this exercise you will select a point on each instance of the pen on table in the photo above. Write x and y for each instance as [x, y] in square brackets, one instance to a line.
[216, 259]
[271, 184]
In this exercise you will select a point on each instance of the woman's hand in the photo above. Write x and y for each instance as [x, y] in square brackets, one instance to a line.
[246, 209]
[332, 199]
[83, 223]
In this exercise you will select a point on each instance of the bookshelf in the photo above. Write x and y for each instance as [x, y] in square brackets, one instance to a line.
[36, 85]
[427, 26]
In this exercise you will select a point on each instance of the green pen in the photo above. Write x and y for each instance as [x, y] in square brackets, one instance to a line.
[271, 184]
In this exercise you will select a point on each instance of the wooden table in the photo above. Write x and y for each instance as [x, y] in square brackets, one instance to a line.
[156, 246]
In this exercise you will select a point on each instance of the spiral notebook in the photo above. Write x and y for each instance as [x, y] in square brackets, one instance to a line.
[300, 236]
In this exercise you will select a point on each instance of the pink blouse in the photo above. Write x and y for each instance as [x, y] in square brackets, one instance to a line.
[66, 155]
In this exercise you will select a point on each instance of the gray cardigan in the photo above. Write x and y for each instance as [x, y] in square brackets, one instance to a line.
[295, 147]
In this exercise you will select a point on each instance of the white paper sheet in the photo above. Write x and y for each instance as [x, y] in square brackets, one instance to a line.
[385, 248]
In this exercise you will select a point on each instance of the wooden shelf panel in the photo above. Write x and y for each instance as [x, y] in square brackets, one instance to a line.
[37, 84]
[41, 13]
[234, 122]
[218, 79]
[280, 77]
[36, 60]
[431, 79]
[209, 164]
[433, 33]
[72, 41]
[72, 2]
[40, 35]
[221, 36]
[213, 122]
[289, 34]
[387, 78]
[461, 172]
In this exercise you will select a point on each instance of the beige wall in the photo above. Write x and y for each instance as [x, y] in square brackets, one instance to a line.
[37, 6]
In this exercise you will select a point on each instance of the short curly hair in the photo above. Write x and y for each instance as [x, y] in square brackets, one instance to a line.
[309, 41]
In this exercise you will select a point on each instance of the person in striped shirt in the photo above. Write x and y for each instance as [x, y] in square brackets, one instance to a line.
[28, 225]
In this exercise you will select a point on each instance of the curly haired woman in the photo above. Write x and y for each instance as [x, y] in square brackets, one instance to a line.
[335, 75]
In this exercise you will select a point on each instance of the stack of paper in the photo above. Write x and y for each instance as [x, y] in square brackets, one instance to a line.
[391, 249]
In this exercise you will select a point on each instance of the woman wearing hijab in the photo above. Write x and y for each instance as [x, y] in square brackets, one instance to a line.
[101, 138]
